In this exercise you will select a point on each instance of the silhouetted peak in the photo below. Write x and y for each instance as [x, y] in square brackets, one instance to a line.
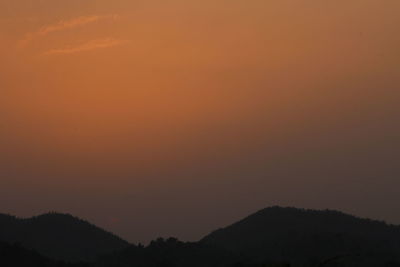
[285, 233]
[274, 236]
[59, 236]
[45, 216]
[54, 214]
[59, 217]
[291, 215]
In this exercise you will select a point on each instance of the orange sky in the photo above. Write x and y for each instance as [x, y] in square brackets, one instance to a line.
[204, 110]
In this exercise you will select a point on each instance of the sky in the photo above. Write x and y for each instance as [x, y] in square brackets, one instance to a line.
[175, 118]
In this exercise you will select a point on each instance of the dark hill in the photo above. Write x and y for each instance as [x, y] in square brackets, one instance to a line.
[269, 238]
[309, 237]
[59, 236]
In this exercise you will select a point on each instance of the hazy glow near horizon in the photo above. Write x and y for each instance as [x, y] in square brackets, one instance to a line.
[176, 117]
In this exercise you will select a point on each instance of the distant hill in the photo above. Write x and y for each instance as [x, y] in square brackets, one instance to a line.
[308, 237]
[59, 236]
[272, 237]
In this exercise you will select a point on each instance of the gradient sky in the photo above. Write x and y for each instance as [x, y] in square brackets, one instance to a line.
[173, 118]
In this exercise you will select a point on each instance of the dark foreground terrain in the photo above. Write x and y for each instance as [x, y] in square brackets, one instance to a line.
[271, 237]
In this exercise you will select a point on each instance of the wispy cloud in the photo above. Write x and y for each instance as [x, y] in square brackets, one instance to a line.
[91, 45]
[65, 25]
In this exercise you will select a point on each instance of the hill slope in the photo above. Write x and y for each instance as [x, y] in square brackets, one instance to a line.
[59, 236]
[270, 237]
[308, 236]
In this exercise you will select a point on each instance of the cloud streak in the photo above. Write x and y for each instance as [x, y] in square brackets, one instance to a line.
[65, 25]
[88, 46]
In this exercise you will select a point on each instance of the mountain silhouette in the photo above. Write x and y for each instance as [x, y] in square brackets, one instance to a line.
[308, 237]
[272, 237]
[59, 236]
